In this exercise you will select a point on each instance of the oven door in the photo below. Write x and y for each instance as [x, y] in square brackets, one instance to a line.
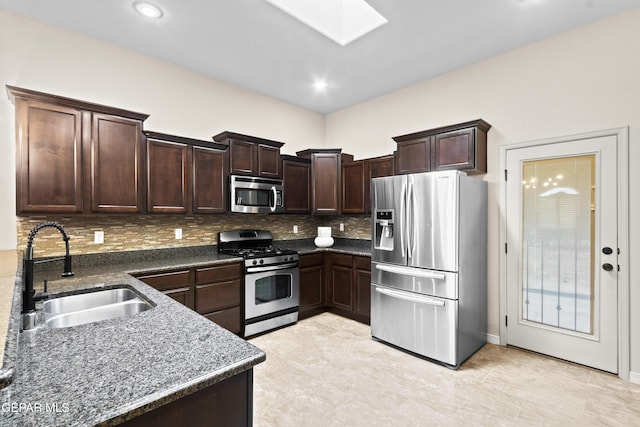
[270, 289]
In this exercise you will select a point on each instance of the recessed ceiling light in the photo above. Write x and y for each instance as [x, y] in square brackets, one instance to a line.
[320, 85]
[147, 9]
[342, 21]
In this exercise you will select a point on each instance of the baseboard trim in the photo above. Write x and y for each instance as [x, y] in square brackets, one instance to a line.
[493, 339]
[634, 377]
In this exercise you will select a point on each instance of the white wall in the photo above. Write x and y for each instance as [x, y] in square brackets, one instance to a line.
[584, 80]
[43, 58]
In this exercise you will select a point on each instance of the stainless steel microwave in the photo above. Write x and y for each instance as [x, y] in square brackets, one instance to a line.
[256, 195]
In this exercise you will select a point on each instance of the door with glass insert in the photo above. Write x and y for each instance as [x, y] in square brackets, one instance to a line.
[562, 251]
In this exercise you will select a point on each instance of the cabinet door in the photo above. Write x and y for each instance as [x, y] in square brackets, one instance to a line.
[167, 180]
[268, 161]
[325, 183]
[311, 290]
[381, 166]
[216, 296]
[49, 158]
[114, 167]
[340, 290]
[209, 181]
[243, 157]
[413, 156]
[460, 150]
[229, 318]
[362, 285]
[353, 187]
[296, 177]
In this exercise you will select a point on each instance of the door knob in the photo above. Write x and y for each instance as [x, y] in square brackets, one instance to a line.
[607, 250]
[607, 267]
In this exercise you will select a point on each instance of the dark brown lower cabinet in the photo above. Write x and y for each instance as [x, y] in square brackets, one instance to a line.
[215, 291]
[349, 286]
[218, 295]
[362, 288]
[228, 403]
[312, 277]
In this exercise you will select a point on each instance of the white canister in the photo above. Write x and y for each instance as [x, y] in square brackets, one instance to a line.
[324, 239]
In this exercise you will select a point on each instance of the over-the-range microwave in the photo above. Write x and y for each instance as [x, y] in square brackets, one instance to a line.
[256, 195]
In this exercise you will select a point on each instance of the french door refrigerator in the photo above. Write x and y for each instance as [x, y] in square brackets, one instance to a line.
[429, 264]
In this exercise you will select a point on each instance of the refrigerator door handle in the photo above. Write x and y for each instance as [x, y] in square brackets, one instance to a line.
[413, 218]
[410, 272]
[402, 216]
[412, 298]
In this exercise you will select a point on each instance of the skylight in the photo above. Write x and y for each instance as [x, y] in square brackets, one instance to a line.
[342, 21]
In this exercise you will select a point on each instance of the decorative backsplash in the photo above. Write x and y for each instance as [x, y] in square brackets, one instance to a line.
[139, 232]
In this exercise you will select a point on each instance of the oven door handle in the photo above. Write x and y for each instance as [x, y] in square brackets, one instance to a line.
[271, 267]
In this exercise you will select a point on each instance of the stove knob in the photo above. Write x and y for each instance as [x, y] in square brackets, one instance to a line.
[261, 261]
[255, 262]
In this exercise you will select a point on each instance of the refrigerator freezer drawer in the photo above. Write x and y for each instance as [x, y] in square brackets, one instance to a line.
[441, 284]
[422, 324]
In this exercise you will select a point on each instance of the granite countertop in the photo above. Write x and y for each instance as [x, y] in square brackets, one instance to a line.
[348, 246]
[111, 371]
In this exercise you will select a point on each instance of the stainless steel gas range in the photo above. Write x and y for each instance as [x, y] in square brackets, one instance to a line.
[271, 279]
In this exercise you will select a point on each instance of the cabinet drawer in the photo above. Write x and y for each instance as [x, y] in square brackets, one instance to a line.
[311, 259]
[363, 262]
[342, 259]
[218, 273]
[165, 281]
[217, 296]
[228, 319]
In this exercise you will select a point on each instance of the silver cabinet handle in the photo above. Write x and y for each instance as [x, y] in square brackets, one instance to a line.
[412, 272]
[412, 298]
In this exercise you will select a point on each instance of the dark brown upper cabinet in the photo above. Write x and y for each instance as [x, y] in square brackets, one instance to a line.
[413, 155]
[459, 147]
[117, 153]
[354, 177]
[326, 171]
[296, 179]
[76, 157]
[356, 182]
[185, 175]
[250, 155]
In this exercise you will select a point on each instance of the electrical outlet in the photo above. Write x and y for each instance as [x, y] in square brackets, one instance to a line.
[98, 237]
[295, 229]
[341, 227]
[178, 233]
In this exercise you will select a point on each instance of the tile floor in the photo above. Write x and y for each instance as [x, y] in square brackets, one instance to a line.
[327, 371]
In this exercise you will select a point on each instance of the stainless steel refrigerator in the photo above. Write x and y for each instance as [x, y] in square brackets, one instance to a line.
[429, 264]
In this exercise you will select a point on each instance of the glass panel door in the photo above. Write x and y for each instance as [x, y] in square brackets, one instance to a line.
[557, 242]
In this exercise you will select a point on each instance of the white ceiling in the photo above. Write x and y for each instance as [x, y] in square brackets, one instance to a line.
[253, 44]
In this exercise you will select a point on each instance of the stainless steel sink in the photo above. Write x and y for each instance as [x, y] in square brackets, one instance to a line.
[92, 307]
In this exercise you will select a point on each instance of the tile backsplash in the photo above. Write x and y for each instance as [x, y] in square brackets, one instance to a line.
[139, 232]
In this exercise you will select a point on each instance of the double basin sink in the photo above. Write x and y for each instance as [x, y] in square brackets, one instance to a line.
[93, 306]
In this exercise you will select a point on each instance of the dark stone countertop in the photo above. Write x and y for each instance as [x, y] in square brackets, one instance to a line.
[347, 246]
[110, 371]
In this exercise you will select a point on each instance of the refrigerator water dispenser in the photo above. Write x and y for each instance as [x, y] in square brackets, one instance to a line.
[384, 230]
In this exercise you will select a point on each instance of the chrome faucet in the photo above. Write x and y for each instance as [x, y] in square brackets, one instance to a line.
[29, 296]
